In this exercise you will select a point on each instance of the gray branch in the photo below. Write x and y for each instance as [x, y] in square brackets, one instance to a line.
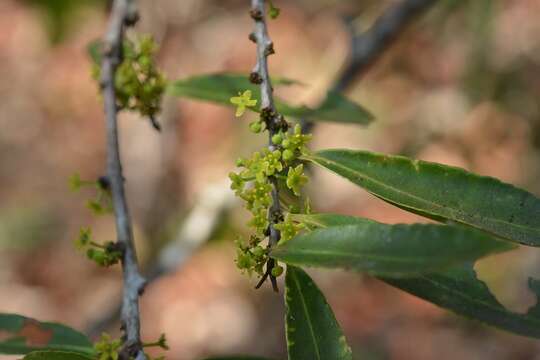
[199, 225]
[123, 14]
[367, 47]
[274, 121]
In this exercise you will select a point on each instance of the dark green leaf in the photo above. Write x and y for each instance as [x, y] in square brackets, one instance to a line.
[311, 328]
[439, 191]
[381, 249]
[21, 335]
[56, 355]
[219, 88]
[460, 290]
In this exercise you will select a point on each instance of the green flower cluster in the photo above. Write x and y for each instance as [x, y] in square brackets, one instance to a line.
[102, 254]
[102, 203]
[139, 84]
[109, 349]
[253, 184]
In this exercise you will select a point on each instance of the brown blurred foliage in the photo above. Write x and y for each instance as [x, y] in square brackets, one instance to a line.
[460, 87]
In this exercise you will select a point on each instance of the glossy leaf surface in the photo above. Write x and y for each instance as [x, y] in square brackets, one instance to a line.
[438, 191]
[460, 291]
[219, 88]
[311, 327]
[392, 250]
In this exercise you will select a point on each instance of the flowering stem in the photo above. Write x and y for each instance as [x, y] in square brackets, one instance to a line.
[272, 118]
[123, 14]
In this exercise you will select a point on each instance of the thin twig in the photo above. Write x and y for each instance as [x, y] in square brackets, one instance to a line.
[123, 14]
[274, 121]
[366, 48]
[199, 225]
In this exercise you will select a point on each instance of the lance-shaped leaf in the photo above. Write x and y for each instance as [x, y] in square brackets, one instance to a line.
[457, 289]
[438, 191]
[21, 335]
[460, 291]
[311, 327]
[219, 88]
[381, 249]
[56, 355]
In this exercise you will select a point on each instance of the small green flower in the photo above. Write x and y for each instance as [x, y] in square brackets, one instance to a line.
[258, 251]
[272, 163]
[237, 183]
[255, 127]
[259, 221]
[296, 179]
[162, 343]
[288, 155]
[288, 228]
[277, 138]
[95, 206]
[75, 182]
[104, 255]
[240, 162]
[107, 348]
[85, 236]
[261, 197]
[243, 101]
[244, 261]
[273, 11]
[277, 271]
[138, 82]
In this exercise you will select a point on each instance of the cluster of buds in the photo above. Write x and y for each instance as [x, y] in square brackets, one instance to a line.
[102, 203]
[104, 255]
[139, 84]
[253, 184]
[108, 348]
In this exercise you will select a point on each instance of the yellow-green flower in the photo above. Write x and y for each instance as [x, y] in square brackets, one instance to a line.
[107, 348]
[296, 179]
[288, 228]
[237, 183]
[243, 101]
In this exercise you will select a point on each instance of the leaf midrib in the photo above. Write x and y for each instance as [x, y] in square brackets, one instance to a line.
[388, 187]
[308, 317]
[333, 254]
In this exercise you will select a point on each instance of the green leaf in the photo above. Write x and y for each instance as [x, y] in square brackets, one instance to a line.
[381, 249]
[460, 291]
[457, 289]
[56, 355]
[21, 335]
[438, 191]
[219, 88]
[311, 328]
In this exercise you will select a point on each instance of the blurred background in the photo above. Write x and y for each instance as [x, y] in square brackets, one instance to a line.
[460, 86]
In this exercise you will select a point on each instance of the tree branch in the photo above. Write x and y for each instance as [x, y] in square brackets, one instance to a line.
[274, 121]
[201, 222]
[123, 14]
[367, 47]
